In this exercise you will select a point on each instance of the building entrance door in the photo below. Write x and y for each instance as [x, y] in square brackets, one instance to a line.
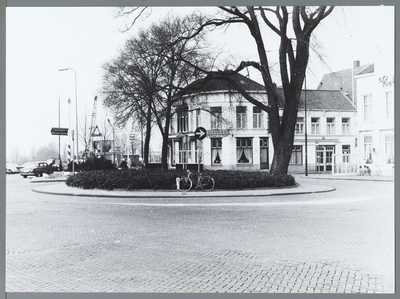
[324, 157]
[264, 159]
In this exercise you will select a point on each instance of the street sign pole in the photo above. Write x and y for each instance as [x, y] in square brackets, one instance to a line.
[73, 156]
[198, 155]
[200, 133]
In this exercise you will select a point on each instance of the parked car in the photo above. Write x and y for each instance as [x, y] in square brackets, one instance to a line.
[35, 169]
[11, 168]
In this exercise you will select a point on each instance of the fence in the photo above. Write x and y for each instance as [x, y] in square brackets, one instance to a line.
[345, 164]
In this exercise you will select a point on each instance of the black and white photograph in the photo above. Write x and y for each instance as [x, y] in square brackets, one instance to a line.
[200, 149]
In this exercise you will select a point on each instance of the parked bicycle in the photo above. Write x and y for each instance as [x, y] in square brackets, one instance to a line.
[199, 181]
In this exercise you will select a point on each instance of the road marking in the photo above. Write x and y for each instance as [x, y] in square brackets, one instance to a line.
[253, 204]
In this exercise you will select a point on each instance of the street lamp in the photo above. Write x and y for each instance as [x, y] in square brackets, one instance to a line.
[71, 137]
[76, 116]
[305, 123]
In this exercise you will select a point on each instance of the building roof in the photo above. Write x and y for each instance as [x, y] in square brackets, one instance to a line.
[326, 100]
[342, 80]
[364, 69]
[215, 85]
[316, 99]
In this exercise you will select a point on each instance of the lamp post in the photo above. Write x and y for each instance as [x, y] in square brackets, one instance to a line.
[76, 112]
[71, 137]
[305, 123]
[113, 139]
[59, 139]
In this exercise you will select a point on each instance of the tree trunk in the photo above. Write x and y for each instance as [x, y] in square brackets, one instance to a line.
[282, 155]
[146, 149]
[164, 150]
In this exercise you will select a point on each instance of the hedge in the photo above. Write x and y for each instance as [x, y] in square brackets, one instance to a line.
[157, 179]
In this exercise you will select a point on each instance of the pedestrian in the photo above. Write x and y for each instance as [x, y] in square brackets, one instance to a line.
[123, 164]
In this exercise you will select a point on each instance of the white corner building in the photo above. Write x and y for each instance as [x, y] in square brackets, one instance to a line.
[237, 131]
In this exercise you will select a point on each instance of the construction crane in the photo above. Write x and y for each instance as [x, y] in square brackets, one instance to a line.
[93, 126]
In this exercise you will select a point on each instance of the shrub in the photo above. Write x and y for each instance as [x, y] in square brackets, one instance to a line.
[131, 179]
[94, 163]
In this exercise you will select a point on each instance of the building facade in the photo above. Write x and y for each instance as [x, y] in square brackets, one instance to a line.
[237, 131]
[371, 88]
[375, 117]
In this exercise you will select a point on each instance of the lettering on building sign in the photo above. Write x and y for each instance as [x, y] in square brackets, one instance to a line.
[218, 132]
[386, 82]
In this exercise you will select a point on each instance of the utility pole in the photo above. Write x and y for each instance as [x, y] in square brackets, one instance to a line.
[305, 124]
[59, 137]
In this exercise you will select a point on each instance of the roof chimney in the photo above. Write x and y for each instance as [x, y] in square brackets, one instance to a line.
[356, 64]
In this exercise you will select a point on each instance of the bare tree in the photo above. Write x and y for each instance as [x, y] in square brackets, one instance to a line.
[294, 31]
[151, 72]
[15, 154]
[129, 86]
[45, 152]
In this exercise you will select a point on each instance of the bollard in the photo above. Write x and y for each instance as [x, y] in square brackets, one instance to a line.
[178, 180]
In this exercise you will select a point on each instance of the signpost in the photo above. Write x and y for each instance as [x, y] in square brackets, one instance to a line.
[200, 133]
[59, 131]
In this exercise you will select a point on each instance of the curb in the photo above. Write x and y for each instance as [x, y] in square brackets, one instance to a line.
[71, 191]
[347, 178]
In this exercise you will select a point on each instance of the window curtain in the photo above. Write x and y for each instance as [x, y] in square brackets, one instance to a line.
[244, 155]
[216, 156]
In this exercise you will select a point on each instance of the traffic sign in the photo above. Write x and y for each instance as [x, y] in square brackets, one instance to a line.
[200, 133]
[59, 131]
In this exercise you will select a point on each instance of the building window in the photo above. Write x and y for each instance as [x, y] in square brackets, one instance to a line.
[389, 148]
[389, 105]
[345, 126]
[197, 117]
[244, 150]
[216, 148]
[172, 125]
[297, 155]
[367, 154]
[367, 107]
[315, 125]
[299, 129]
[183, 120]
[184, 152]
[258, 120]
[346, 153]
[241, 117]
[330, 126]
[216, 117]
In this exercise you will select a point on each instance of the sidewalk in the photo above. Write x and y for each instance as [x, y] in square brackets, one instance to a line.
[353, 177]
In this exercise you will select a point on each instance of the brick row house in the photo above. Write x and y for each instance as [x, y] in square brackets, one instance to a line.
[238, 136]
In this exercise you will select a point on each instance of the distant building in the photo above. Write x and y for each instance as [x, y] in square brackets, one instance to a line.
[344, 80]
[375, 121]
[237, 131]
[372, 91]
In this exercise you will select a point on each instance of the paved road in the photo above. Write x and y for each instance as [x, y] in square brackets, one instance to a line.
[337, 242]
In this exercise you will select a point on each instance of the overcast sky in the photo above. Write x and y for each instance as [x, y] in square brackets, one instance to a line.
[40, 41]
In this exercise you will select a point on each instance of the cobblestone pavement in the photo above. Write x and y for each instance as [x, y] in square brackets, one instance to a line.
[337, 242]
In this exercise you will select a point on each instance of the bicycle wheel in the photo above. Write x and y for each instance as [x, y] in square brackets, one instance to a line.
[185, 184]
[207, 183]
